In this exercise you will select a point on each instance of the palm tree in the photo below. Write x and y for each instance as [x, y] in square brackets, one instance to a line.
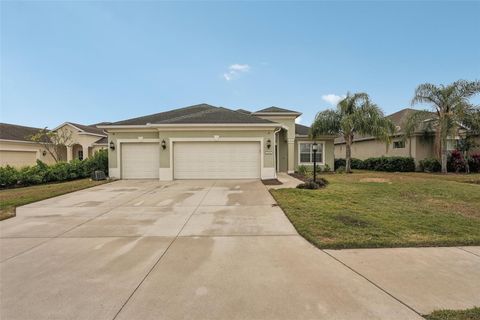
[355, 114]
[451, 107]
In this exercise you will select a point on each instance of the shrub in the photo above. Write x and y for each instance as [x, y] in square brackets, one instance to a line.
[326, 168]
[339, 163]
[308, 185]
[8, 176]
[390, 164]
[99, 161]
[455, 162]
[474, 162]
[430, 165]
[354, 163]
[303, 170]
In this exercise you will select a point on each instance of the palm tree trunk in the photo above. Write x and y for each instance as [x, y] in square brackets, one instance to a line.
[465, 158]
[443, 149]
[348, 154]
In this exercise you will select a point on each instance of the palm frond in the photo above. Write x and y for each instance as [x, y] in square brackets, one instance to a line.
[326, 123]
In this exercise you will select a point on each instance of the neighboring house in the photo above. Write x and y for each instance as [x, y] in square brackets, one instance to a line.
[85, 140]
[16, 148]
[207, 142]
[420, 146]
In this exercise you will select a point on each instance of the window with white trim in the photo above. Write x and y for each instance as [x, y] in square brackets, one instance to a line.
[306, 152]
[398, 144]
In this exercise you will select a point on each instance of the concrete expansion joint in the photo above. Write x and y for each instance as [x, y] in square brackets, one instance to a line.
[373, 283]
[463, 249]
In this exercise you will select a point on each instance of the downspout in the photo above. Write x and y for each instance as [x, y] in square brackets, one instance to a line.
[275, 150]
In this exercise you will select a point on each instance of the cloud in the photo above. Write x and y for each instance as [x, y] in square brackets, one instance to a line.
[333, 99]
[235, 70]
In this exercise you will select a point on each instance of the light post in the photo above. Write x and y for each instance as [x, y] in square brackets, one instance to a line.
[314, 149]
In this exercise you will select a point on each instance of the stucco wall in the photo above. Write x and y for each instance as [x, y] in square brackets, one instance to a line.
[19, 154]
[328, 156]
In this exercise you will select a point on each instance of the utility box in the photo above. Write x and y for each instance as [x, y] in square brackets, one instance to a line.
[99, 175]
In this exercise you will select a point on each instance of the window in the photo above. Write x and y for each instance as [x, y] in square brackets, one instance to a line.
[306, 153]
[452, 144]
[398, 144]
[80, 154]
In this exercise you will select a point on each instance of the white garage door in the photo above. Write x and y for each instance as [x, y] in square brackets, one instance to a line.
[140, 160]
[216, 160]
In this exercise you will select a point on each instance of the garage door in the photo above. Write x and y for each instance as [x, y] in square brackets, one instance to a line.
[140, 160]
[17, 158]
[216, 160]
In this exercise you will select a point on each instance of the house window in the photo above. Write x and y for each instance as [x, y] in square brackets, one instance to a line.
[306, 153]
[452, 144]
[80, 154]
[398, 144]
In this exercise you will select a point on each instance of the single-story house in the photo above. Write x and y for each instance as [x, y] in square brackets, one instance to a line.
[18, 150]
[420, 146]
[208, 142]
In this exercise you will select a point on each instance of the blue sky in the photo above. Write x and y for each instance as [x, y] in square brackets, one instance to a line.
[104, 61]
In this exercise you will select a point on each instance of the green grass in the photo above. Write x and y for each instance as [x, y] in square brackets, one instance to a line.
[470, 314]
[11, 198]
[374, 209]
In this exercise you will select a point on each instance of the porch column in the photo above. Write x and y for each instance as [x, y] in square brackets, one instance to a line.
[85, 151]
[291, 155]
[69, 153]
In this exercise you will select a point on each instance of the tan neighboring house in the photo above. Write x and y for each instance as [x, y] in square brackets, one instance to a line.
[420, 146]
[208, 142]
[16, 148]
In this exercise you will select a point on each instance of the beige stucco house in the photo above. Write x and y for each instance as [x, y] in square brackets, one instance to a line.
[420, 146]
[17, 149]
[208, 142]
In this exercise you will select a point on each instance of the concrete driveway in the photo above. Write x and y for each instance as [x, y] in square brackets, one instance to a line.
[190, 250]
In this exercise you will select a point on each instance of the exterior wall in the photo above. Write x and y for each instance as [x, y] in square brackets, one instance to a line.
[86, 141]
[328, 156]
[19, 154]
[165, 167]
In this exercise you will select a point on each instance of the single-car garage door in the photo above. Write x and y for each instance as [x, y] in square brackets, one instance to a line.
[216, 160]
[17, 158]
[140, 160]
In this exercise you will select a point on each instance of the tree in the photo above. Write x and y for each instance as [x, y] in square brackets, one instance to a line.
[355, 114]
[53, 141]
[451, 111]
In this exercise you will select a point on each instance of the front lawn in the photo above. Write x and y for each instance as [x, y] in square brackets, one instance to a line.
[11, 198]
[376, 209]
[470, 314]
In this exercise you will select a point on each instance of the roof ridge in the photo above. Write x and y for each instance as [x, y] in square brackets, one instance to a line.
[190, 115]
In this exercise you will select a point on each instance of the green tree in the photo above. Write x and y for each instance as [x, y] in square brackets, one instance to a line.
[451, 108]
[355, 114]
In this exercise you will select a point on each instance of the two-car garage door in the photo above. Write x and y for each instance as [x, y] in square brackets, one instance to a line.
[216, 160]
[194, 160]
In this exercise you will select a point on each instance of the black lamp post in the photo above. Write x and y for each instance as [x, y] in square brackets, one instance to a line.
[314, 149]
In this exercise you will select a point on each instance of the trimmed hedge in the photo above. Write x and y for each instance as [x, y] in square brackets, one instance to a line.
[430, 165]
[389, 164]
[62, 171]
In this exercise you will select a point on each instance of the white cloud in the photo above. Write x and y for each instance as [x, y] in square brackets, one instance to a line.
[333, 99]
[235, 70]
[298, 120]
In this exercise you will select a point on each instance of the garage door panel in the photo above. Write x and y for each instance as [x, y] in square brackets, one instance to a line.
[18, 158]
[216, 160]
[140, 160]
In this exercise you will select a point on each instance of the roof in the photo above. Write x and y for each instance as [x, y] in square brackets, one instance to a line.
[276, 110]
[103, 140]
[15, 132]
[196, 114]
[302, 130]
[89, 129]
[398, 118]
[244, 111]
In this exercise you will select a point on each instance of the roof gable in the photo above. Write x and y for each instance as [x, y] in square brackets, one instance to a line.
[276, 110]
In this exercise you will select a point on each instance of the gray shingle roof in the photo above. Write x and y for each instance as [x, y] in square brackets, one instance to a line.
[103, 140]
[275, 110]
[197, 114]
[90, 129]
[15, 132]
[301, 129]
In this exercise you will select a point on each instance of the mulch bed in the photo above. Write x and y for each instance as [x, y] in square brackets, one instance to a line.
[271, 182]
[299, 176]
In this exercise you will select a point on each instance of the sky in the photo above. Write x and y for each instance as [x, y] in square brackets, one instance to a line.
[88, 61]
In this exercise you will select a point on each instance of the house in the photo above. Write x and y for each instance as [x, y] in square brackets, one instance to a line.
[208, 142]
[420, 146]
[17, 149]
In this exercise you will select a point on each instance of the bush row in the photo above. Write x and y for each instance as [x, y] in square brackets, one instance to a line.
[62, 171]
[390, 164]
[455, 163]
